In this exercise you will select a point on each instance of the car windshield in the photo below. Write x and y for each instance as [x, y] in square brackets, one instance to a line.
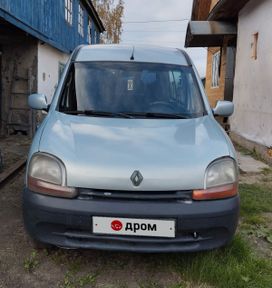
[132, 90]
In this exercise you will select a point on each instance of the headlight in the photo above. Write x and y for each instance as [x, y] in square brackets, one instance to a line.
[221, 180]
[47, 175]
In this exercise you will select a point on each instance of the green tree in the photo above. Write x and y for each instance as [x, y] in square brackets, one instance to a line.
[111, 13]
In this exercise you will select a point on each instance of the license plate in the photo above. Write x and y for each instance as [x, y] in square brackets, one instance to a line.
[134, 227]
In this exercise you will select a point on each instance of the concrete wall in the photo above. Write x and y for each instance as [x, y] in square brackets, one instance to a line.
[49, 60]
[252, 88]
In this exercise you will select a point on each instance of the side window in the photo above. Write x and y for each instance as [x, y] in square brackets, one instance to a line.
[89, 30]
[178, 86]
[61, 69]
[80, 20]
[68, 99]
[216, 69]
[69, 11]
[95, 36]
[178, 91]
[172, 86]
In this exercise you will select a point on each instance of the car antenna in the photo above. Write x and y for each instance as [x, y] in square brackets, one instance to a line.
[132, 56]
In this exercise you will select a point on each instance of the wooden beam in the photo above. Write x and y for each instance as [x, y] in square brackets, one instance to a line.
[201, 9]
[227, 10]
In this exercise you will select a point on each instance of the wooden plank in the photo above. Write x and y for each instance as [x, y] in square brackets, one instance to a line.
[201, 9]
[11, 171]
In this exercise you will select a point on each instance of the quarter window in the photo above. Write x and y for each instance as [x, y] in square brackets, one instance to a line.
[69, 11]
[216, 69]
[80, 20]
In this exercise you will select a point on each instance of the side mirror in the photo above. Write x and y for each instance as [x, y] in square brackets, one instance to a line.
[224, 109]
[38, 102]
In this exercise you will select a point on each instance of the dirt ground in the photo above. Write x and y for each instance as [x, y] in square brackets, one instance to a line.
[13, 148]
[54, 269]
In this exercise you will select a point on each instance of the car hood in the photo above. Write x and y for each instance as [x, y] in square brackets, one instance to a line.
[103, 153]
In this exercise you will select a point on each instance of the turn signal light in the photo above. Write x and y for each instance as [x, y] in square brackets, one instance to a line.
[216, 193]
[42, 187]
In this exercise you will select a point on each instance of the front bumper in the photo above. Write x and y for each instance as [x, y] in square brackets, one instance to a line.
[68, 223]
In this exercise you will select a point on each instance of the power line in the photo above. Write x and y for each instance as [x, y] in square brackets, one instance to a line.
[154, 31]
[151, 42]
[156, 42]
[155, 21]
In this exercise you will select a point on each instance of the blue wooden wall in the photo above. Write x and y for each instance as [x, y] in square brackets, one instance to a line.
[45, 20]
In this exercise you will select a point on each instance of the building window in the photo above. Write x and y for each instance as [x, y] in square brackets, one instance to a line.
[80, 20]
[254, 46]
[216, 69]
[61, 69]
[89, 30]
[69, 11]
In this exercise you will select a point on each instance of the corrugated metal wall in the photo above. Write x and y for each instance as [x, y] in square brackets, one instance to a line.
[46, 20]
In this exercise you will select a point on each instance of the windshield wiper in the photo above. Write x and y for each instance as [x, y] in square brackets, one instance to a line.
[98, 113]
[131, 115]
[155, 115]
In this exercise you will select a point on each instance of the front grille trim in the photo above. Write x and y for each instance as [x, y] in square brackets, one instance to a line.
[88, 194]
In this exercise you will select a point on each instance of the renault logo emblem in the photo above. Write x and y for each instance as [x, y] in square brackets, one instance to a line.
[136, 178]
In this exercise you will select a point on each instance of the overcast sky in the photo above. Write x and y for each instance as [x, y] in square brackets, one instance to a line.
[170, 33]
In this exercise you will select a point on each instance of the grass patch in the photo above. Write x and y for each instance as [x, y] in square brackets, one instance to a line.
[31, 262]
[255, 200]
[236, 265]
[233, 266]
[253, 153]
[71, 280]
[267, 175]
[267, 171]
[150, 284]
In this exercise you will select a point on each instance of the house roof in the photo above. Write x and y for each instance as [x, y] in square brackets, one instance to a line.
[216, 27]
[201, 9]
[91, 9]
[210, 33]
[227, 10]
[45, 22]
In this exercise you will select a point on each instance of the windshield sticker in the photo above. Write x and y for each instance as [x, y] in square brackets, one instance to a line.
[130, 85]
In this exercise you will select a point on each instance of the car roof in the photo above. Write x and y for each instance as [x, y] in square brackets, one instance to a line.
[124, 53]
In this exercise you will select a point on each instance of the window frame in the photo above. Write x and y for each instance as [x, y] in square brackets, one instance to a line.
[90, 27]
[80, 19]
[254, 45]
[68, 11]
[216, 59]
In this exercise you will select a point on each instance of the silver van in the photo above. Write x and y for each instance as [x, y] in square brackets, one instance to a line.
[130, 157]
